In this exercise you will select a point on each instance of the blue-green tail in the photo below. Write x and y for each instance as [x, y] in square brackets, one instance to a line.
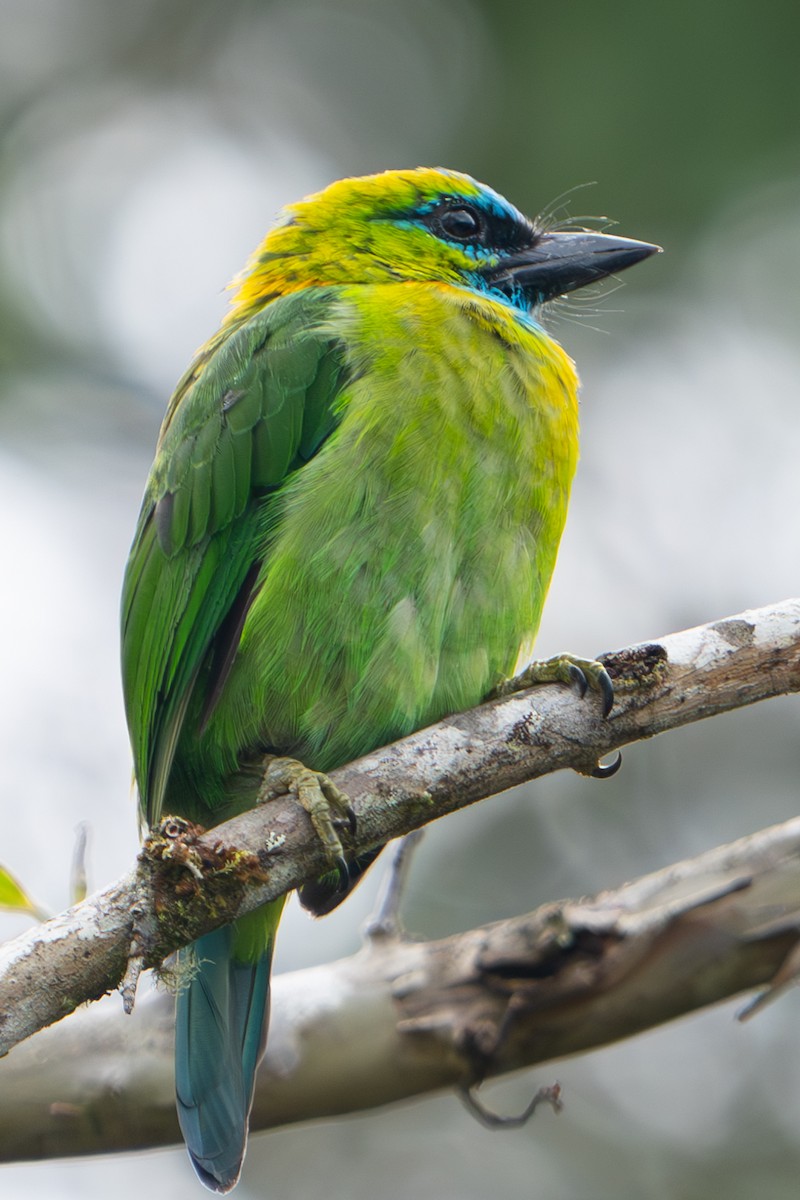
[220, 1029]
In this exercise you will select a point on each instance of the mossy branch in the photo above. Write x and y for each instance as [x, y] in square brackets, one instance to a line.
[190, 882]
[403, 1018]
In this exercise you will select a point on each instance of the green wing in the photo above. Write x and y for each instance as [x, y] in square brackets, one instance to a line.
[254, 407]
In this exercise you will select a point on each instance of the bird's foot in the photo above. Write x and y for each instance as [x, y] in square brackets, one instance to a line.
[326, 804]
[579, 673]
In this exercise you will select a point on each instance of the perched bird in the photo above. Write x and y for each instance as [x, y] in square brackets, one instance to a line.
[348, 532]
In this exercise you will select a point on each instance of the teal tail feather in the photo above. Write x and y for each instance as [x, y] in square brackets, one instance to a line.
[220, 1029]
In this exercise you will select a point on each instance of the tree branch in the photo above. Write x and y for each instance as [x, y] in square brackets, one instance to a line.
[401, 1018]
[660, 685]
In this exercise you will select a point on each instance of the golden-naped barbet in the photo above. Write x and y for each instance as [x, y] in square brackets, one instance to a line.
[348, 532]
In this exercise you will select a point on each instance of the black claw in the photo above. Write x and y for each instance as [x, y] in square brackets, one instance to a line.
[606, 691]
[343, 871]
[349, 821]
[578, 679]
[606, 770]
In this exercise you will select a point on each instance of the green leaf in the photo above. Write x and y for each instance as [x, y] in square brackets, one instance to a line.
[14, 897]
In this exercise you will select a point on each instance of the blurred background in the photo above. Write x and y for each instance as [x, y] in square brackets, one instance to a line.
[145, 149]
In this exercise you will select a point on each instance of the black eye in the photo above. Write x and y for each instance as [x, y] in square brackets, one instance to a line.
[463, 224]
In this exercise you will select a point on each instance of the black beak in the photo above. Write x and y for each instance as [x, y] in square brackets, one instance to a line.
[561, 262]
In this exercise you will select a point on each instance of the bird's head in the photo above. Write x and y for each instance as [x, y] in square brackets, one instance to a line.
[426, 225]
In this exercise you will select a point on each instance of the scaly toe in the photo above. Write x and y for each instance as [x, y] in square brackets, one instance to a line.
[569, 669]
[324, 802]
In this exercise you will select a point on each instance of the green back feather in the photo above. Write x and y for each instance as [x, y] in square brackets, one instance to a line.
[260, 405]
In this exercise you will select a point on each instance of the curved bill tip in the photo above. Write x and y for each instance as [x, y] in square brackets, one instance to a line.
[629, 251]
[603, 252]
[561, 262]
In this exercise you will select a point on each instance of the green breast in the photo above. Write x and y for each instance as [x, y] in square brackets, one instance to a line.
[412, 555]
